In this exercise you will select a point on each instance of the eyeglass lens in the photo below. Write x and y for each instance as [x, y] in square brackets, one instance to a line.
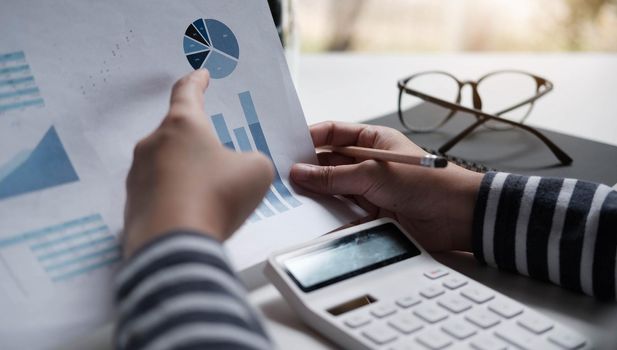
[498, 92]
[434, 84]
[502, 90]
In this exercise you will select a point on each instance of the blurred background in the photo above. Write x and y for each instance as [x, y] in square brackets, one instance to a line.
[454, 25]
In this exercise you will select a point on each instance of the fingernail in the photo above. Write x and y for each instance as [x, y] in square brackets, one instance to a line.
[203, 71]
[301, 172]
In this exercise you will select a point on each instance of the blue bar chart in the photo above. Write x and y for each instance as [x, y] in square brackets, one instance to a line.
[18, 90]
[279, 198]
[66, 250]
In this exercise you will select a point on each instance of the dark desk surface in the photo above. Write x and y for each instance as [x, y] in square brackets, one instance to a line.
[515, 150]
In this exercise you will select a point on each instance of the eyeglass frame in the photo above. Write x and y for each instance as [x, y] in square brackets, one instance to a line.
[481, 116]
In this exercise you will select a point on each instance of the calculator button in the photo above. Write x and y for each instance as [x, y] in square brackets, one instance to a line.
[404, 345]
[478, 294]
[546, 345]
[407, 344]
[536, 324]
[432, 291]
[380, 334]
[405, 323]
[505, 308]
[434, 339]
[436, 273]
[459, 329]
[517, 336]
[407, 301]
[383, 310]
[482, 318]
[454, 282]
[430, 313]
[357, 320]
[566, 338]
[487, 342]
[454, 303]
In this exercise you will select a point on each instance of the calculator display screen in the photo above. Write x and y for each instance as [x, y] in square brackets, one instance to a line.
[349, 256]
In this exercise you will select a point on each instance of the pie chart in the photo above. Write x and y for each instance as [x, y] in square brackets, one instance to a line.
[210, 44]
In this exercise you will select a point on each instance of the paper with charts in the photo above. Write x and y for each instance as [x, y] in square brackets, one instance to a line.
[80, 84]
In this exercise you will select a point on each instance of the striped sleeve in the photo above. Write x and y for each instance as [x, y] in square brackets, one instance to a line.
[179, 292]
[558, 230]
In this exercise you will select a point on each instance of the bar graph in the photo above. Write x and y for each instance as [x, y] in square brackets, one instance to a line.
[18, 89]
[279, 198]
[61, 252]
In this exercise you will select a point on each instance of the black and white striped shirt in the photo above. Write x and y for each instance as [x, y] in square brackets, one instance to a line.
[558, 230]
[179, 291]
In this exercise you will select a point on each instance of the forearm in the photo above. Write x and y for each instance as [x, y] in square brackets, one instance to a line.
[179, 292]
[560, 230]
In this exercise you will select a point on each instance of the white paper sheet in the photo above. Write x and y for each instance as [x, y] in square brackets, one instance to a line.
[80, 83]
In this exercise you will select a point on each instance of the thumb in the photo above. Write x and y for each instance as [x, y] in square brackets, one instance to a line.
[354, 179]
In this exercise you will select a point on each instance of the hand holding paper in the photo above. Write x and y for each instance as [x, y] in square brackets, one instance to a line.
[393, 189]
[89, 90]
[183, 178]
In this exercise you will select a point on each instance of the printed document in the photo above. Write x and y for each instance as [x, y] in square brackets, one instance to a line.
[80, 83]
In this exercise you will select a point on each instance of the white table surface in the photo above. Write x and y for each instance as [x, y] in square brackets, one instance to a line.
[356, 87]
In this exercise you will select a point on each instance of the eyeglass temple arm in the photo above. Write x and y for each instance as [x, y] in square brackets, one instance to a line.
[484, 117]
[561, 155]
[548, 87]
[461, 135]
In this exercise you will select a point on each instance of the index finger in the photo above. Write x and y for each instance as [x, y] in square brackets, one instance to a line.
[187, 95]
[347, 134]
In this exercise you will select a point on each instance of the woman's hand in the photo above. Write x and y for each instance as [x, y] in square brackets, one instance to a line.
[435, 205]
[183, 178]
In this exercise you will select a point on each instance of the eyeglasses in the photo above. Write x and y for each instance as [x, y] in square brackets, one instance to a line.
[445, 90]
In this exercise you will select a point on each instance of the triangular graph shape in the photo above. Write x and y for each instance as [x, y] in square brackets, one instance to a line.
[201, 27]
[220, 65]
[7, 168]
[222, 38]
[192, 33]
[191, 46]
[48, 165]
[197, 59]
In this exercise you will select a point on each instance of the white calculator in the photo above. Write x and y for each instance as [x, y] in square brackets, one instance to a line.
[373, 287]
